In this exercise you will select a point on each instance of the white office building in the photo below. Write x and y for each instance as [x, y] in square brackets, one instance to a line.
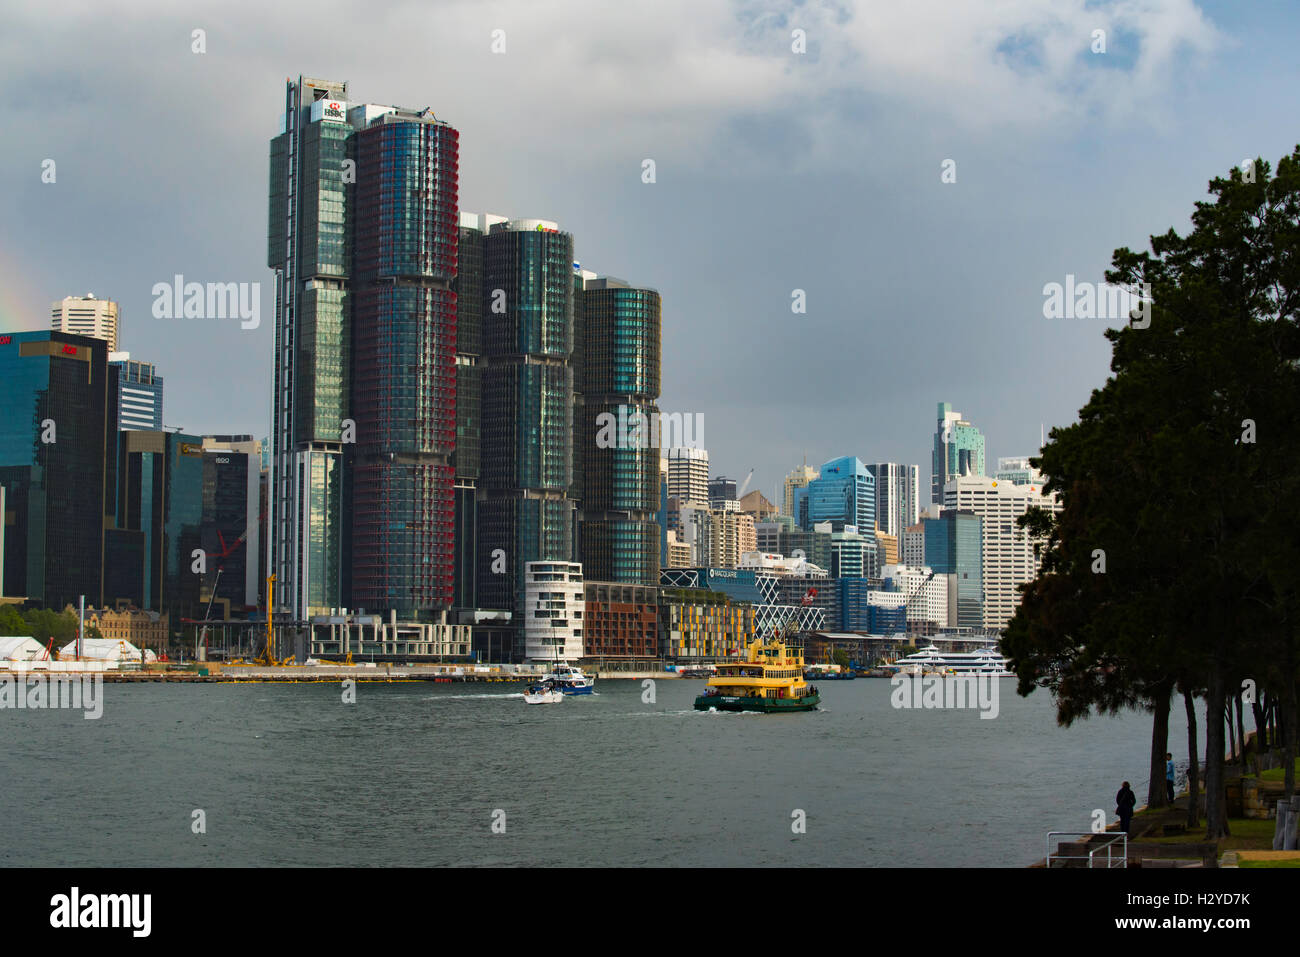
[688, 475]
[86, 316]
[898, 490]
[929, 597]
[1009, 558]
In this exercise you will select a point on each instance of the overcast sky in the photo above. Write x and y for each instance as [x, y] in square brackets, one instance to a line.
[775, 171]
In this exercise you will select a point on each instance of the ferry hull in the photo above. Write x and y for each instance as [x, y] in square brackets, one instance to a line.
[763, 705]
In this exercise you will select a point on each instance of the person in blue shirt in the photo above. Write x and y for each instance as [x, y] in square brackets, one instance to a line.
[1169, 776]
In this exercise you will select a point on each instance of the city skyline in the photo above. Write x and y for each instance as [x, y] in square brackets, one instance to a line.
[860, 179]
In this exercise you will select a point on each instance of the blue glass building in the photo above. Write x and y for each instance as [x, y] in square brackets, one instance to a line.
[844, 494]
[56, 454]
[954, 546]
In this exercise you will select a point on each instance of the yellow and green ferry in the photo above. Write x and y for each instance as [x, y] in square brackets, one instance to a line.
[769, 679]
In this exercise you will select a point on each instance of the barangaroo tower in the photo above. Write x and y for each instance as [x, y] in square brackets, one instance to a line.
[363, 239]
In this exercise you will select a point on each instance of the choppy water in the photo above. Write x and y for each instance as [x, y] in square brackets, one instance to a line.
[411, 774]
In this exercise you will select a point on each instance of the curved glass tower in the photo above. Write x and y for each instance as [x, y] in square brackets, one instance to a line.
[404, 364]
[618, 432]
[526, 453]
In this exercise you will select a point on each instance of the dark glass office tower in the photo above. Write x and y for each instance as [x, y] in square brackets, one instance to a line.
[230, 529]
[954, 546]
[527, 438]
[55, 436]
[616, 432]
[159, 518]
[308, 247]
[469, 409]
[404, 364]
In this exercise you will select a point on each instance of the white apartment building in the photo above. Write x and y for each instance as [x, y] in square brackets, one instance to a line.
[898, 491]
[1009, 558]
[912, 548]
[86, 316]
[933, 597]
[553, 606]
[688, 474]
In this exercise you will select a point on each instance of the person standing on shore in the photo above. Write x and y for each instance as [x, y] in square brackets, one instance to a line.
[1125, 801]
[1169, 776]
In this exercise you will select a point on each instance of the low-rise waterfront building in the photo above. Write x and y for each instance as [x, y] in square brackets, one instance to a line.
[620, 620]
[702, 624]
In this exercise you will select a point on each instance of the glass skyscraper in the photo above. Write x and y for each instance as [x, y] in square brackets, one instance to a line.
[958, 450]
[363, 239]
[619, 369]
[954, 546]
[158, 519]
[56, 458]
[469, 408]
[140, 394]
[405, 223]
[308, 247]
[843, 494]
[526, 512]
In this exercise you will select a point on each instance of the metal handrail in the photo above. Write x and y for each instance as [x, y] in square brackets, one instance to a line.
[1121, 838]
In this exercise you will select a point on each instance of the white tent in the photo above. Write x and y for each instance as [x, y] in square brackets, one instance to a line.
[20, 649]
[105, 649]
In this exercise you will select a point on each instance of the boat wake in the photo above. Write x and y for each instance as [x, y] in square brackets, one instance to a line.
[468, 697]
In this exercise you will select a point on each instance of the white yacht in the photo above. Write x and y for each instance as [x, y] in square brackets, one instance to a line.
[570, 680]
[930, 660]
[542, 694]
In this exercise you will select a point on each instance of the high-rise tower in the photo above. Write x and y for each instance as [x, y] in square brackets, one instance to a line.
[363, 239]
[897, 496]
[958, 450]
[405, 222]
[526, 510]
[308, 247]
[619, 447]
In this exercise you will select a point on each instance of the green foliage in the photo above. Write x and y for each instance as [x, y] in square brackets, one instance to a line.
[1181, 470]
[11, 622]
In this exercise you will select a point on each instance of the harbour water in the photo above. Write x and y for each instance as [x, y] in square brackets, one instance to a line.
[417, 774]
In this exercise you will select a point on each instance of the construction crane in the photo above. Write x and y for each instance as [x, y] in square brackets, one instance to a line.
[740, 493]
[268, 656]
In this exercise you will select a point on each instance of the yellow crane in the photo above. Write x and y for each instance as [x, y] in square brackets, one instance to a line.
[268, 657]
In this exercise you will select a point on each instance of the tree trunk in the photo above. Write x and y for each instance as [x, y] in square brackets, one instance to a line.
[1159, 746]
[1234, 753]
[1241, 730]
[1216, 817]
[1289, 736]
[1193, 764]
[1261, 735]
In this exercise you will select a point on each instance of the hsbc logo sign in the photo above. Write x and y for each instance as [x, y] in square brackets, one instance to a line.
[336, 111]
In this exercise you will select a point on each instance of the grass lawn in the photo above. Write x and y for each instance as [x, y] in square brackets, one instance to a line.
[1248, 834]
[1291, 863]
[1277, 774]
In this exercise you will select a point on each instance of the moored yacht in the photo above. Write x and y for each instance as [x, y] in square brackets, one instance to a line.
[986, 661]
[569, 680]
